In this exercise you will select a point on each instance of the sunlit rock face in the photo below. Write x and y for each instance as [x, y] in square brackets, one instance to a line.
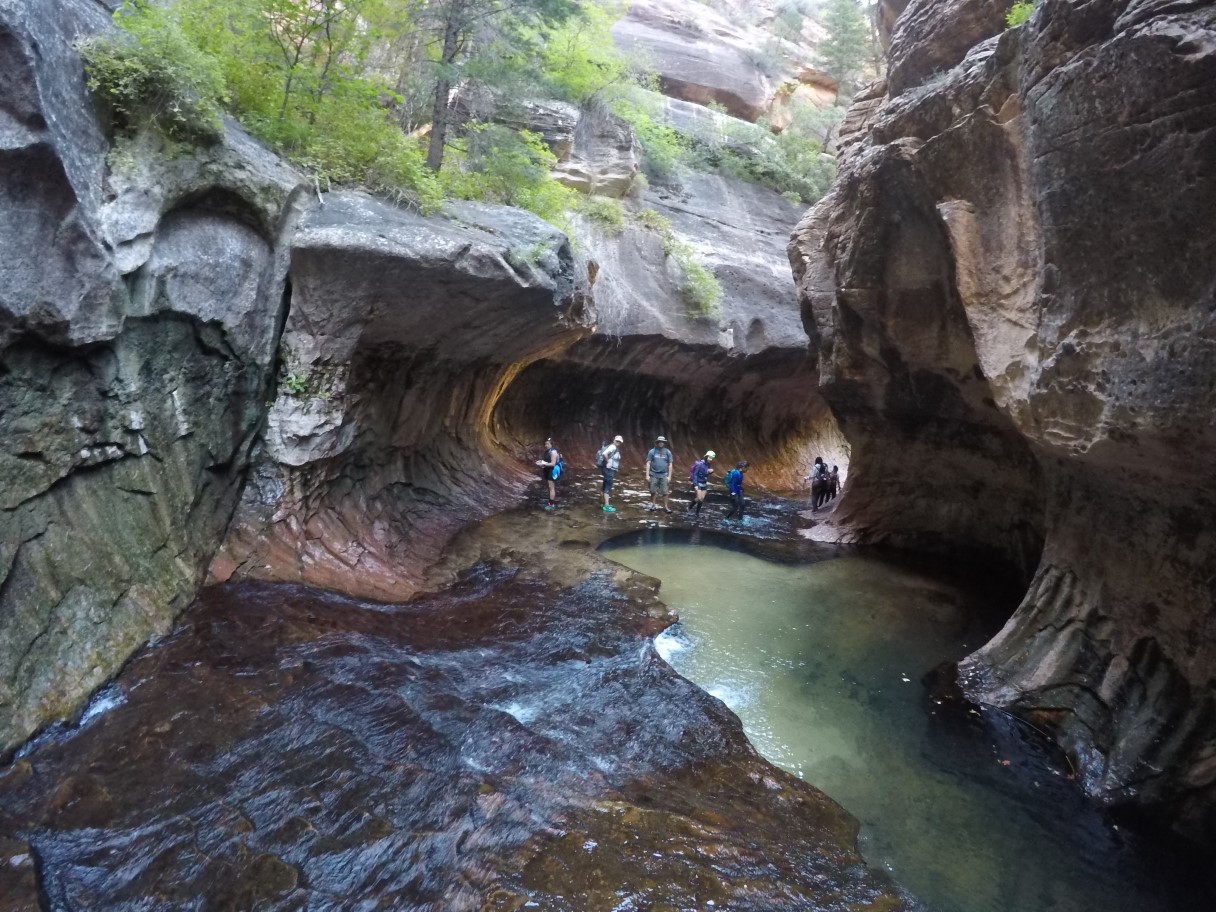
[139, 313]
[403, 332]
[728, 58]
[1028, 239]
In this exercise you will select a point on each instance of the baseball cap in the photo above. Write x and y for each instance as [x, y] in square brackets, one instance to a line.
[660, 439]
[710, 454]
[618, 439]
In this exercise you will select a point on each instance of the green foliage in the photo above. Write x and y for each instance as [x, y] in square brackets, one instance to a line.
[296, 383]
[501, 165]
[578, 59]
[148, 73]
[1019, 13]
[846, 49]
[700, 287]
[527, 257]
[664, 150]
[605, 213]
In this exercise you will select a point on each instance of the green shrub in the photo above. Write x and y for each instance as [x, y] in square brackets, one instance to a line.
[149, 74]
[501, 165]
[1019, 13]
[605, 213]
[700, 287]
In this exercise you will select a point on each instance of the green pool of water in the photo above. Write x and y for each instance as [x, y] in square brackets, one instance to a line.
[824, 665]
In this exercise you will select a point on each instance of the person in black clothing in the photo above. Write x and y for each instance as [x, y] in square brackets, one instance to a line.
[819, 483]
[547, 464]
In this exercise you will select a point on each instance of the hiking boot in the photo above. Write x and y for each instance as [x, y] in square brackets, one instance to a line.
[609, 508]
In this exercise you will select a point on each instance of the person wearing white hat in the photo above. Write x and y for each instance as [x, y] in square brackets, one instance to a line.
[609, 461]
[699, 476]
[658, 470]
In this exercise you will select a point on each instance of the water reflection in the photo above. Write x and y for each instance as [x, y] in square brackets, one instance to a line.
[824, 665]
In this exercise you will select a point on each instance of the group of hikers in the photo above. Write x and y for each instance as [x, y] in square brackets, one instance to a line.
[825, 484]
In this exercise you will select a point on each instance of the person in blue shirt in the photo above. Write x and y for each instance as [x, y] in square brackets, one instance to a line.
[734, 484]
[699, 476]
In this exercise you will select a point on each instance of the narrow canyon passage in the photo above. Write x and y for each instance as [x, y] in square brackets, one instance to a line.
[836, 670]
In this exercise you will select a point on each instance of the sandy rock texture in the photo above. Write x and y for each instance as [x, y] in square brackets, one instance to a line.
[1011, 290]
[139, 312]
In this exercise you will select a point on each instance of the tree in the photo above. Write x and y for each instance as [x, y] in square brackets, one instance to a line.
[846, 48]
[456, 26]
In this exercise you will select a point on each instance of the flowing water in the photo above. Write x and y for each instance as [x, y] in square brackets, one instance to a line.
[824, 665]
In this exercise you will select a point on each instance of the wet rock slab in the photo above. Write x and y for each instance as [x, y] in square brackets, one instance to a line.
[507, 744]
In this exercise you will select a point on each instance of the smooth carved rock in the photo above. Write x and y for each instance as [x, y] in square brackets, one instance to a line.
[402, 335]
[1035, 231]
[137, 327]
[604, 158]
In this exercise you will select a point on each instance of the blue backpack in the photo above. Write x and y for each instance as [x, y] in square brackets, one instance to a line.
[560, 469]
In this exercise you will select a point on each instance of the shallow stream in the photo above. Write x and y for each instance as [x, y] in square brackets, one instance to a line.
[824, 662]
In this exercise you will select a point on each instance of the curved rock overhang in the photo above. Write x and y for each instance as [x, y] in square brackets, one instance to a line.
[761, 407]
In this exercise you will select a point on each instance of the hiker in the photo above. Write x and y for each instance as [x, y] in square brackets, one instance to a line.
[699, 476]
[734, 484]
[550, 469]
[834, 483]
[658, 470]
[819, 483]
[608, 459]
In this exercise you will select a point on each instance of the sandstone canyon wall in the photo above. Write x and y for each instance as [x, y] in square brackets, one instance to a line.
[1012, 291]
[133, 370]
[179, 328]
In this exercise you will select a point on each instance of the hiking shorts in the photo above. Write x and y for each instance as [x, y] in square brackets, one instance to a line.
[659, 485]
[701, 487]
[609, 478]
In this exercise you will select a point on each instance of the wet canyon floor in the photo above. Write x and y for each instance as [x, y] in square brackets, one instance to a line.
[513, 741]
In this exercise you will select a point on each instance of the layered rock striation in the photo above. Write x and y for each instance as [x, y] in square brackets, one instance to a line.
[1011, 288]
[403, 334]
[139, 316]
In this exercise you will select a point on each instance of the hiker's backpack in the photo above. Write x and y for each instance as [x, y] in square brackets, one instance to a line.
[692, 473]
[560, 469]
[729, 480]
[600, 459]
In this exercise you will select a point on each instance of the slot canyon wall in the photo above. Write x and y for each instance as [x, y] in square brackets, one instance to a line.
[209, 371]
[1013, 295]
[133, 369]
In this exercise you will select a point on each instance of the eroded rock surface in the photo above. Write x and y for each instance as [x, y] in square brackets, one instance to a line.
[403, 333]
[1012, 290]
[139, 312]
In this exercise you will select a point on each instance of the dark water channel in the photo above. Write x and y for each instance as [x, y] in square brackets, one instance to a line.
[968, 810]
